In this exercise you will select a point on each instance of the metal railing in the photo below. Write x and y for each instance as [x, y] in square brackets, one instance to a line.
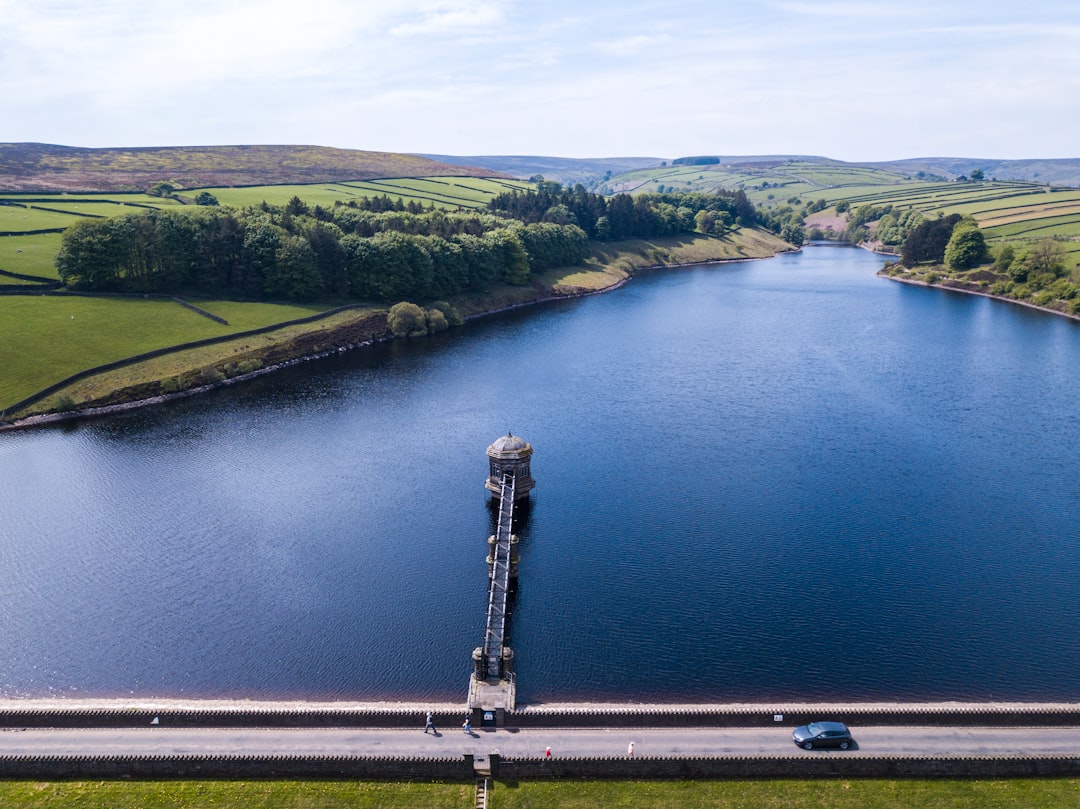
[499, 586]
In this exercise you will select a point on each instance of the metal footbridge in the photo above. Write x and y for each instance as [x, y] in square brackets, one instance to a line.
[491, 685]
[495, 655]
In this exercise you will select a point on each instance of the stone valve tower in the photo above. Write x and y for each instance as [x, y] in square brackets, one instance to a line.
[510, 455]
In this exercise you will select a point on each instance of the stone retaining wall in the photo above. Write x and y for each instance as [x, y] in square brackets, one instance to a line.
[980, 715]
[462, 768]
[239, 767]
[621, 716]
[824, 766]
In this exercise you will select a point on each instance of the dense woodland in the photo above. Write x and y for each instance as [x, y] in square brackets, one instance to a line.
[374, 249]
[379, 251]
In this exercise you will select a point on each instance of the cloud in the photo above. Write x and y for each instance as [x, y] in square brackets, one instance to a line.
[625, 47]
[442, 19]
[507, 76]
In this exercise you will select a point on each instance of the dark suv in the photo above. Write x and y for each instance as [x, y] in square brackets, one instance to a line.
[822, 734]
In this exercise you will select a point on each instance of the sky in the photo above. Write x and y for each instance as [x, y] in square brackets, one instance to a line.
[859, 81]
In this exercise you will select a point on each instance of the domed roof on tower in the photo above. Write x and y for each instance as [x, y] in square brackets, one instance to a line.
[509, 443]
[510, 455]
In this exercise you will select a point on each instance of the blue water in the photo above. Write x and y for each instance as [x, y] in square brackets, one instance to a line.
[778, 480]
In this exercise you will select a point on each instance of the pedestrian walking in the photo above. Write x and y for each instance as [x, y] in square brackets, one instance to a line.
[630, 750]
[429, 724]
[547, 752]
[467, 726]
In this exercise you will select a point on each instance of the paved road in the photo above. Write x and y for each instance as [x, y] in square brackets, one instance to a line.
[888, 741]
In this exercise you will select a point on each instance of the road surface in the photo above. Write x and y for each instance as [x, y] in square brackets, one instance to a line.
[525, 743]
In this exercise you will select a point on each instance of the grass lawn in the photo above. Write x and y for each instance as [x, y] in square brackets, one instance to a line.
[228, 794]
[818, 794]
[30, 255]
[44, 339]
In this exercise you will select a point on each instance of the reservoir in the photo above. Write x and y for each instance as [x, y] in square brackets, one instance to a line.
[769, 481]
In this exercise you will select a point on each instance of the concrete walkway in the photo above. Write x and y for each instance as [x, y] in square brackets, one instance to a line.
[161, 740]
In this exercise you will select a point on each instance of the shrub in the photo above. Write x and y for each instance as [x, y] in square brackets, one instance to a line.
[174, 384]
[210, 376]
[1005, 257]
[407, 320]
[1064, 289]
[1041, 280]
[453, 317]
[933, 277]
[1043, 298]
[436, 321]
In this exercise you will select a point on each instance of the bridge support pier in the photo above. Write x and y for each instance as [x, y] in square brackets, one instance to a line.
[492, 697]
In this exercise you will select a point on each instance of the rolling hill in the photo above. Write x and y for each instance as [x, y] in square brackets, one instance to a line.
[565, 170]
[44, 167]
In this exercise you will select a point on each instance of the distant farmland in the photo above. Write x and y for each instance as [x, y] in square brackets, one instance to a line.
[442, 192]
[1013, 211]
[31, 225]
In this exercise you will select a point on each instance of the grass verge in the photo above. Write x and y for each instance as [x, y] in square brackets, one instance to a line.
[248, 794]
[773, 794]
[782, 794]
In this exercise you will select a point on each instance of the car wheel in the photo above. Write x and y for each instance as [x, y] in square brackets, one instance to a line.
[843, 745]
[808, 745]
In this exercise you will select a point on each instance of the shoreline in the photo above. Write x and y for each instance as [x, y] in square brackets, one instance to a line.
[947, 288]
[550, 296]
[136, 704]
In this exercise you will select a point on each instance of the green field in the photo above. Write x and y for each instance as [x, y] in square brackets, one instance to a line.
[44, 339]
[1023, 212]
[30, 255]
[443, 192]
[23, 218]
[778, 794]
[35, 254]
[766, 183]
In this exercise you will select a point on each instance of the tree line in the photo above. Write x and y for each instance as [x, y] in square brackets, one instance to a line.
[644, 216]
[374, 249]
[296, 253]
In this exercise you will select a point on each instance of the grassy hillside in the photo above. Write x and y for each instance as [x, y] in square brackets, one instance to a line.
[768, 177]
[44, 167]
[44, 339]
[31, 224]
[442, 192]
[565, 170]
[763, 181]
[1014, 211]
